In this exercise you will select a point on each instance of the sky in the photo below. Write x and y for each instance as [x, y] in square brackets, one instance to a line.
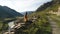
[23, 5]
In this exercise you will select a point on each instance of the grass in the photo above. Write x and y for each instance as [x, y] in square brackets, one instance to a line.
[40, 26]
[1, 25]
[54, 17]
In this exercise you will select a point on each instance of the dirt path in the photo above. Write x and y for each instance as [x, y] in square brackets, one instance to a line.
[56, 18]
[55, 28]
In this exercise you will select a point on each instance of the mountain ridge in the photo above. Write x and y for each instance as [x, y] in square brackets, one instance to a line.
[6, 12]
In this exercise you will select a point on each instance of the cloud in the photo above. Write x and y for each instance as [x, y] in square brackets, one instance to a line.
[23, 5]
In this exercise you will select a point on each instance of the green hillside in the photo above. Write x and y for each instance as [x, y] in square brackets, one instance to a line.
[42, 25]
[6, 12]
[6, 15]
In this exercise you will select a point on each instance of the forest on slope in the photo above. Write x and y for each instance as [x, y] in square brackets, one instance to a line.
[6, 12]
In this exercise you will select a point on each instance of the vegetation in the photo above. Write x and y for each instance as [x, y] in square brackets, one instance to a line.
[6, 12]
[4, 24]
[56, 19]
[0, 26]
[41, 24]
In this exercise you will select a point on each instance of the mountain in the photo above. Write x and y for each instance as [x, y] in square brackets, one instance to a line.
[44, 6]
[28, 12]
[49, 5]
[6, 12]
